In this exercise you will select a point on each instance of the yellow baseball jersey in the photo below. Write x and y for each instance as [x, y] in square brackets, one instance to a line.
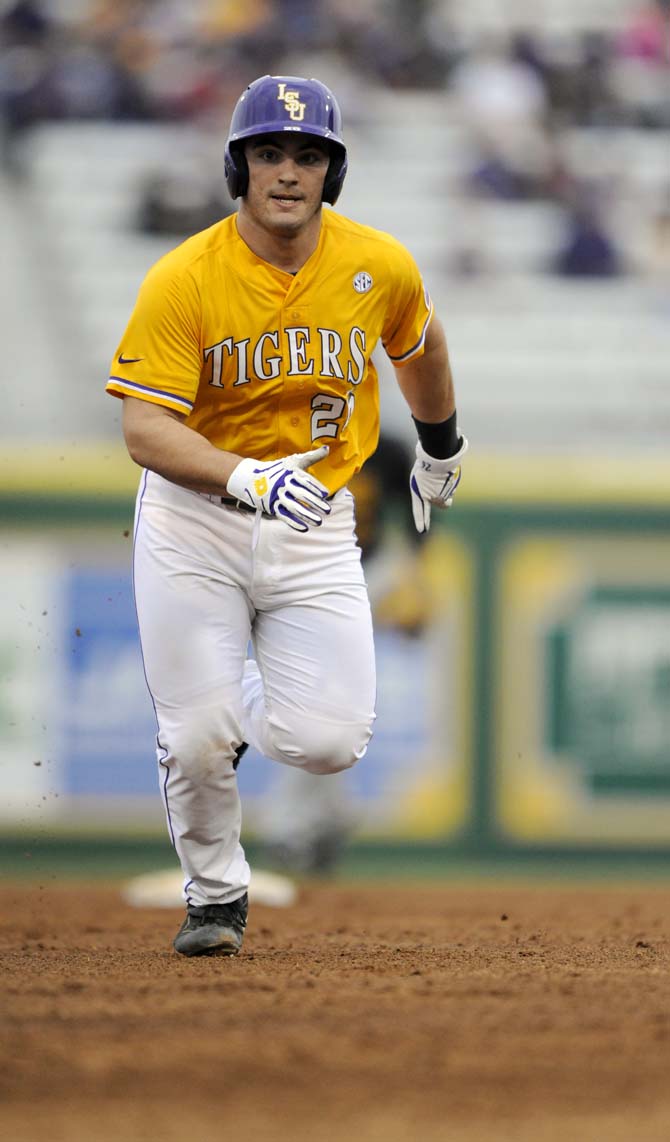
[265, 363]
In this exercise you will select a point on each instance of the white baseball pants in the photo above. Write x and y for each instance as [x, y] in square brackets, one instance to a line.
[208, 579]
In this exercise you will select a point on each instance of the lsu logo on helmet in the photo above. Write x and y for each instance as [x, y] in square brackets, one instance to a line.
[291, 101]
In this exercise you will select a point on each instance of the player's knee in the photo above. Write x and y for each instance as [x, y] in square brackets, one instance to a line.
[330, 749]
[200, 748]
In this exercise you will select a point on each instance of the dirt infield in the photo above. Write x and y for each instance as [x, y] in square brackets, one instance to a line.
[469, 1014]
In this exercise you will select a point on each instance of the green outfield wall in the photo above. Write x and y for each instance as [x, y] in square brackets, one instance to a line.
[531, 714]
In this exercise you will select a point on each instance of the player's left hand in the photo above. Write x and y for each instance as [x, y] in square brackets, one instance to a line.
[433, 481]
[283, 489]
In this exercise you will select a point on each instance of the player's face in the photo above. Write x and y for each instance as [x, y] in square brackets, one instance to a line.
[286, 176]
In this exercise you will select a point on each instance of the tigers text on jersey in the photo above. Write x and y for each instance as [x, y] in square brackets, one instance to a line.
[265, 363]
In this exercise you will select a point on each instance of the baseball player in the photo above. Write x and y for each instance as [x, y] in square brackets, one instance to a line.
[250, 400]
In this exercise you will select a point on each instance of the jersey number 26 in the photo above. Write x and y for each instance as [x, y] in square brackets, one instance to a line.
[327, 414]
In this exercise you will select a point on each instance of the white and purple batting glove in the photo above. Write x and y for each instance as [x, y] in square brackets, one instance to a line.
[281, 488]
[433, 481]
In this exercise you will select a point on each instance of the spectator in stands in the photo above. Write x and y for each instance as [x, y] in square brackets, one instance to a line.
[587, 249]
[580, 82]
[502, 102]
[180, 202]
[86, 82]
[645, 34]
[395, 42]
[510, 175]
[24, 96]
[498, 91]
[25, 23]
[641, 74]
[162, 47]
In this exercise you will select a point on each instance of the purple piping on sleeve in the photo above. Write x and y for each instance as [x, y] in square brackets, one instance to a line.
[415, 348]
[134, 386]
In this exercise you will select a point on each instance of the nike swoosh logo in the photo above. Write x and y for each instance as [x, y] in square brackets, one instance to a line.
[128, 360]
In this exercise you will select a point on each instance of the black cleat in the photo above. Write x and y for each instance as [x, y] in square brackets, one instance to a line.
[213, 929]
[239, 753]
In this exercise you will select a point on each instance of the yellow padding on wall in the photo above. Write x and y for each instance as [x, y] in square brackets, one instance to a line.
[102, 469]
[565, 480]
[106, 470]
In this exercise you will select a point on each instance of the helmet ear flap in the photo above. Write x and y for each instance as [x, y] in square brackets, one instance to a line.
[337, 169]
[236, 171]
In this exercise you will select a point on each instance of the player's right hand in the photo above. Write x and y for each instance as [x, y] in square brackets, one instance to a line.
[281, 488]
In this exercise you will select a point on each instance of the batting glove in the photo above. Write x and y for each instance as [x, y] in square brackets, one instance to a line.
[281, 488]
[433, 482]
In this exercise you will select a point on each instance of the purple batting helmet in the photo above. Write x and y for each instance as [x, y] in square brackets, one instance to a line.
[285, 103]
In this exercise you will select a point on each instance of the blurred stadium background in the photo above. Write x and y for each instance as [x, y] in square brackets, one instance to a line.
[522, 152]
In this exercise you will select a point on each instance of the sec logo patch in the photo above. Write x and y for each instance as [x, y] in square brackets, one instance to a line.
[362, 282]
